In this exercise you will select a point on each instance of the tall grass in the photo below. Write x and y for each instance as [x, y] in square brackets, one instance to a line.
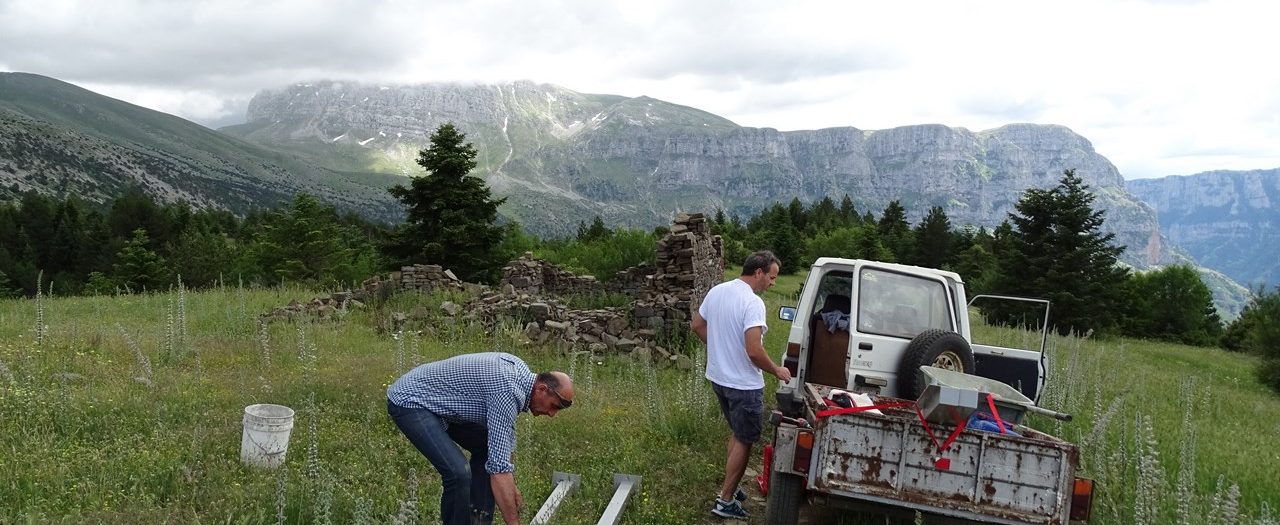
[1172, 434]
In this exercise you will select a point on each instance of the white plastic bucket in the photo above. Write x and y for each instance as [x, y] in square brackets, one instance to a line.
[266, 435]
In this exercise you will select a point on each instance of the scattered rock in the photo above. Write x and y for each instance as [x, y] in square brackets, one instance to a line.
[450, 308]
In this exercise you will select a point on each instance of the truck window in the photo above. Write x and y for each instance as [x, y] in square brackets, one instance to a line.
[838, 284]
[900, 305]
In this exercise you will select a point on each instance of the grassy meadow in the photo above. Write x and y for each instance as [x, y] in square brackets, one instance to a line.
[128, 409]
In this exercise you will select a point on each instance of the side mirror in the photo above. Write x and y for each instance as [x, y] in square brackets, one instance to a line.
[787, 313]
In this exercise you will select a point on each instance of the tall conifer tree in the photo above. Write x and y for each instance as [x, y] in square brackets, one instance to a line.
[1061, 254]
[451, 214]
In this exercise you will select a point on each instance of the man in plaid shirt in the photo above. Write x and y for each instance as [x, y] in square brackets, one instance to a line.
[471, 400]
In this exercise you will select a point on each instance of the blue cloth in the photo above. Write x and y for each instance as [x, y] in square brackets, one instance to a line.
[486, 389]
[836, 320]
[465, 499]
[983, 422]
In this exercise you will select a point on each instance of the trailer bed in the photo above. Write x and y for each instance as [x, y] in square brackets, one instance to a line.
[992, 478]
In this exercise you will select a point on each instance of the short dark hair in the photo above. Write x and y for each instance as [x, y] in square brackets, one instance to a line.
[549, 379]
[760, 260]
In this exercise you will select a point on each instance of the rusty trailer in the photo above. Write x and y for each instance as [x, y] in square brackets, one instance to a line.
[891, 459]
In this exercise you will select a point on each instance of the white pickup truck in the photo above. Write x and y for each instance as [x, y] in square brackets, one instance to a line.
[866, 327]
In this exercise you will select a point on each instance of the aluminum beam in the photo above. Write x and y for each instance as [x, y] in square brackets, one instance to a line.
[565, 485]
[623, 486]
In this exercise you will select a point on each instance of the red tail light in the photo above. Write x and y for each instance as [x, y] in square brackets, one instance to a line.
[804, 451]
[1081, 499]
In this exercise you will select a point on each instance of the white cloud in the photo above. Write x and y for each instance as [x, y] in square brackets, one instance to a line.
[1158, 87]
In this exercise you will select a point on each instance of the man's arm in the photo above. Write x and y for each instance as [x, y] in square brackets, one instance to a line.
[760, 358]
[507, 496]
[699, 326]
[501, 424]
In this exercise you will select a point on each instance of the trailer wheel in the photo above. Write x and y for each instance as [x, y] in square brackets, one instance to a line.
[785, 493]
[933, 347]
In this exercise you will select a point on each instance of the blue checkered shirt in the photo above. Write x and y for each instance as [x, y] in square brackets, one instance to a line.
[487, 389]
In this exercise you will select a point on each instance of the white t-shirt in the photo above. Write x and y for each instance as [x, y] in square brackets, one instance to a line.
[730, 308]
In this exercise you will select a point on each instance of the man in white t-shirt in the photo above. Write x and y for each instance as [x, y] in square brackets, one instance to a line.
[731, 321]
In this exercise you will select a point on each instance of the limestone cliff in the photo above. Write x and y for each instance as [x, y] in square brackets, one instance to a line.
[562, 156]
[1227, 220]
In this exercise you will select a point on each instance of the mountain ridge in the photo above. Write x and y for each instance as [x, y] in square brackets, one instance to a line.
[66, 139]
[1227, 219]
[560, 155]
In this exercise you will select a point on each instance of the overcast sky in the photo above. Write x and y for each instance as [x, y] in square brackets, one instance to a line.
[1160, 87]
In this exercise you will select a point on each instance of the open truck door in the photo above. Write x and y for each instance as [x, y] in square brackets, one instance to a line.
[1022, 369]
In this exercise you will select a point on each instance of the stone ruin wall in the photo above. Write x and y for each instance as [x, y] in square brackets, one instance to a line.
[688, 262]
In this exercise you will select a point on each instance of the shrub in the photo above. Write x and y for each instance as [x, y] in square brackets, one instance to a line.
[1269, 373]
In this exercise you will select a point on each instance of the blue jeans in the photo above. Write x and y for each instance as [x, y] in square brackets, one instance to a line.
[467, 498]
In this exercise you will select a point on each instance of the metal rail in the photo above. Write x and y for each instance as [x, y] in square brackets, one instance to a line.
[624, 485]
[565, 485]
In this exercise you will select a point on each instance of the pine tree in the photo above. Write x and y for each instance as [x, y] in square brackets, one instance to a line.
[933, 240]
[848, 214]
[597, 230]
[895, 232]
[823, 216]
[1060, 253]
[451, 214]
[139, 268]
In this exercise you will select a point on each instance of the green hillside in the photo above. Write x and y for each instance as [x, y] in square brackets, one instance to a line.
[56, 137]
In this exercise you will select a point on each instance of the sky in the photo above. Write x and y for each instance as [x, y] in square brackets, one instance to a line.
[1160, 87]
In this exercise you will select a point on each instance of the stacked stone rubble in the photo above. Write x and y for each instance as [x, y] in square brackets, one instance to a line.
[538, 277]
[633, 281]
[333, 305]
[689, 263]
[426, 278]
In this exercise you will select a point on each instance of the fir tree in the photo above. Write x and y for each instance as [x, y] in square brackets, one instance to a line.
[451, 214]
[138, 267]
[1061, 254]
[933, 240]
[895, 232]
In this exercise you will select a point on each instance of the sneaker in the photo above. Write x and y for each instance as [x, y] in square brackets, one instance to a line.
[732, 509]
[740, 495]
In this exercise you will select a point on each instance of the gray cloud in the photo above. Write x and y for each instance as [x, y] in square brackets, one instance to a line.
[1156, 78]
[196, 44]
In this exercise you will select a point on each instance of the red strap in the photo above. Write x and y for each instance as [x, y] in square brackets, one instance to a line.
[852, 410]
[941, 447]
[927, 430]
[991, 402]
[954, 434]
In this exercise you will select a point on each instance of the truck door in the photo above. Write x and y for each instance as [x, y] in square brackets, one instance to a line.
[1023, 369]
[892, 307]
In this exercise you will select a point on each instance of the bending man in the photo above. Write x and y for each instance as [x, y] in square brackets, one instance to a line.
[471, 401]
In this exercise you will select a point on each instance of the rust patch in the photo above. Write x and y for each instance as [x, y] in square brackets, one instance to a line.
[871, 472]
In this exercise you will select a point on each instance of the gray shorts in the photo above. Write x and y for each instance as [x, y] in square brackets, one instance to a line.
[743, 409]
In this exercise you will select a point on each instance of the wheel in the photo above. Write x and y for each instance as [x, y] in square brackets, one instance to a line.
[785, 493]
[933, 347]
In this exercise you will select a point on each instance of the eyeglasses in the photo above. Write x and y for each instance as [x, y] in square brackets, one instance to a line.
[564, 403]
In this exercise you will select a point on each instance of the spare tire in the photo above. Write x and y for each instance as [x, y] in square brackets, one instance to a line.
[933, 347]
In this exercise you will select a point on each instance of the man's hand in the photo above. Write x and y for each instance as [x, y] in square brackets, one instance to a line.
[507, 496]
[784, 375]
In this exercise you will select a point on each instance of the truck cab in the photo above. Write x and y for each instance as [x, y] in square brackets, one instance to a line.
[867, 326]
